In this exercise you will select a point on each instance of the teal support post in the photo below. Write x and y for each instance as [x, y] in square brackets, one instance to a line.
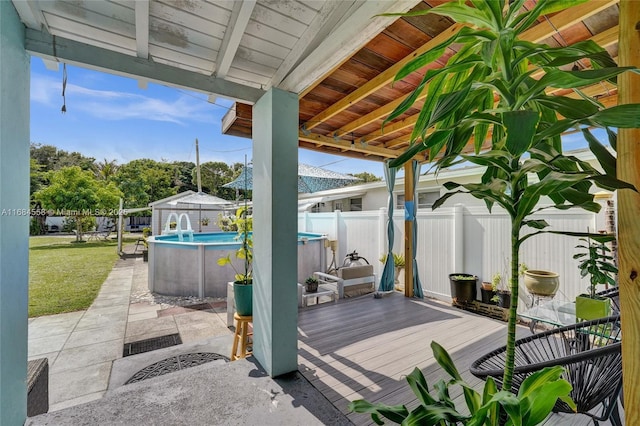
[275, 227]
[14, 218]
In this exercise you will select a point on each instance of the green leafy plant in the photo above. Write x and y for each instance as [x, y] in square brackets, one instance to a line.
[398, 260]
[243, 222]
[494, 96]
[596, 261]
[464, 277]
[204, 221]
[311, 280]
[533, 403]
[227, 223]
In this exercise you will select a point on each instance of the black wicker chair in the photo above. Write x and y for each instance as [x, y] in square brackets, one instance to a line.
[590, 352]
[612, 293]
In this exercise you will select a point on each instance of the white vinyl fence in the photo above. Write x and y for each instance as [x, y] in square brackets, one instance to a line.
[459, 239]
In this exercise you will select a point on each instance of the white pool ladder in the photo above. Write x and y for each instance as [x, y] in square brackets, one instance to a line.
[179, 231]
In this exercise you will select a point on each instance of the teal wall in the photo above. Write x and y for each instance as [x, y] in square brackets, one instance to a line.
[14, 225]
[275, 227]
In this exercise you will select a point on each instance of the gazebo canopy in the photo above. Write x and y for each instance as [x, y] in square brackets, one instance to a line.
[310, 179]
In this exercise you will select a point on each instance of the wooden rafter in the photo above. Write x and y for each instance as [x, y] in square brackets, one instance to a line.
[355, 146]
[559, 22]
[380, 80]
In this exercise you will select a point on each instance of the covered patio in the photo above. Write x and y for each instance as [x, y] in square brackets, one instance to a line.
[314, 75]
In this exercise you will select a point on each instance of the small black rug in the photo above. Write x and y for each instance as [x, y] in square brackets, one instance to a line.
[175, 363]
[153, 344]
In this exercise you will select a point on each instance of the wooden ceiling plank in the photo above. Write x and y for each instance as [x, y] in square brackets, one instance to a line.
[346, 145]
[238, 22]
[345, 40]
[566, 19]
[608, 37]
[326, 19]
[142, 28]
[380, 80]
[561, 20]
[392, 128]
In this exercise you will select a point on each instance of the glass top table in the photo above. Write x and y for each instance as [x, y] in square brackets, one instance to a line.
[552, 312]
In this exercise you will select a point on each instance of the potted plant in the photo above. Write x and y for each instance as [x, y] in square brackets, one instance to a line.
[204, 221]
[492, 95]
[311, 284]
[398, 264]
[463, 287]
[501, 289]
[146, 232]
[243, 279]
[487, 293]
[596, 261]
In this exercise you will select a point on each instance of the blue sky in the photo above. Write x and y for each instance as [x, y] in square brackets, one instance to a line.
[109, 117]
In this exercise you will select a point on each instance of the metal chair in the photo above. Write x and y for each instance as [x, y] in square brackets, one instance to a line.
[589, 351]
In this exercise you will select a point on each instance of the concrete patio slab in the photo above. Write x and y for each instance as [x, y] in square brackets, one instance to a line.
[88, 337]
[46, 344]
[82, 356]
[237, 393]
[70, 384]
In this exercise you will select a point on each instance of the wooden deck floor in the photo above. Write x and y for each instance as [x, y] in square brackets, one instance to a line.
[363, 348]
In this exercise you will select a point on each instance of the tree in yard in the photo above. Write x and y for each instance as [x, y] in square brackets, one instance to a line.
[214, 174]
[183, 176]
[52, 158]
[144, 181]
[366, 177]
[78, 194]
[105, 170]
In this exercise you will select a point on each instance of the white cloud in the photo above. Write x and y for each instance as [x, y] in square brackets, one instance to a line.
[115, 105]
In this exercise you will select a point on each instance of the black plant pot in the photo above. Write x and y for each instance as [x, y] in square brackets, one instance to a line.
[487, 296]
[463, 290]
[311, 287]
[504, 299]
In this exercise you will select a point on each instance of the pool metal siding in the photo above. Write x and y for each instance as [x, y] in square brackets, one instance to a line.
[191, 269]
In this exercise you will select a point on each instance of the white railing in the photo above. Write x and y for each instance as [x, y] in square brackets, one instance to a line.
[458, 239]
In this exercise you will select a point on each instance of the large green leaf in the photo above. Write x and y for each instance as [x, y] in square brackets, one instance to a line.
[521, 127]
[460, 12]
[622, 116]
[441, 356]
[573, 79]
[419, 386]
[569, 107]
[395, 413]
[604, 157]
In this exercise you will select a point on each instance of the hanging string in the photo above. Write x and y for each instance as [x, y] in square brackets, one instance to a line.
[64, 88]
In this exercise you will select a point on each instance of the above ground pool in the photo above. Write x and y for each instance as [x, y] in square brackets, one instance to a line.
[190, 267]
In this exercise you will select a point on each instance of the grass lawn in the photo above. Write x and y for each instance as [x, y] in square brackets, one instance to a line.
[66, 277]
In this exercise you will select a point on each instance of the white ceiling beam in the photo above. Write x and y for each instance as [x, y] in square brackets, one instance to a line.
[41, 44]
[351, 35]
[326, 20]
[31, 14]
[238, 22]
[142, 28]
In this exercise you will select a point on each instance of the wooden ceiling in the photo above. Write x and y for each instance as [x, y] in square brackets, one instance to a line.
[342, 113]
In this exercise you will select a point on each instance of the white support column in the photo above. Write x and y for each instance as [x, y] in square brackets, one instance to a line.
[14, 220]
[275, 226]
[458, 238]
